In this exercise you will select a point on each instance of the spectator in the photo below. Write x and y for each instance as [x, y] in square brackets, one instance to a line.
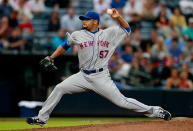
[147, 11]
[16, 41]
[1, 44]
[161, 21]
[174, 50]
[168, 64]
[129, 41]
[101, 5]
[153, 36]
[185, 68]
[145, 45]
[51, 4]
[56, 4]
[188, 32]
[135, 22]
[13, 19]
[148, 49]
[115, 63]
[137, 74]
[118, 4]
[127, 54]
[5, 8]
[173, 82]
[54, 22]
[37, 6]
[24, 9]
[167, 30]
[171, 4]
[62, 3]
[189, 61]
[187, 7]
[26, 29]
[178, 19]
[153, 71]
[132, 7]
[188, 49]
[26, 26]
[4, 43]
[159, 50]
[5, 29]
[136, 39]
[138, 54]
[59, 39]
[145, 60]
[174, 35]
[181, 60]
[70, 22]
[162, 8]
[185, 83]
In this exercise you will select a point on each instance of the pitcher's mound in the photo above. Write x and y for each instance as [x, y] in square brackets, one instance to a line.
[176, 124]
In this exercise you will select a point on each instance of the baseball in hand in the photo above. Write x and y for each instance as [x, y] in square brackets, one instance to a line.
[109, 11]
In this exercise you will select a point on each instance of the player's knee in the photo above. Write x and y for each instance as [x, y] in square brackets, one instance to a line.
[62, 88]
[58, 87]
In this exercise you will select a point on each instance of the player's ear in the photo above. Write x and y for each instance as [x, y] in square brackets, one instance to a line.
[95, 22]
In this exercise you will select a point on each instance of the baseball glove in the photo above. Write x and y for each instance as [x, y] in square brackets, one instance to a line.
[47, 64]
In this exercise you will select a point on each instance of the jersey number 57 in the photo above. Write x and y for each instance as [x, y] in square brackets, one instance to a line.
[103, 53]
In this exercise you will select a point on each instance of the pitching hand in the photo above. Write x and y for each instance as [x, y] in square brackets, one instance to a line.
[115, 14]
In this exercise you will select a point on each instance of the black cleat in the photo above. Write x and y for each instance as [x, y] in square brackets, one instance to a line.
[35, 121]
[163, 114]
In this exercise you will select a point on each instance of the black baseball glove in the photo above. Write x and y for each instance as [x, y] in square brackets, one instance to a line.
[47, 64]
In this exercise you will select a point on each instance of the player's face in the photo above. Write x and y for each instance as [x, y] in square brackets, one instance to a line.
[89, 24]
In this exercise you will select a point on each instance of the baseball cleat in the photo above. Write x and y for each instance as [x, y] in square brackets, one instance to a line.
[35, 121]
[163, 114]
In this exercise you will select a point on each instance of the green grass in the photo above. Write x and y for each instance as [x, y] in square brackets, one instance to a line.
[19, 123]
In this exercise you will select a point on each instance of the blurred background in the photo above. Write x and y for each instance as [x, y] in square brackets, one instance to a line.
[153, 65]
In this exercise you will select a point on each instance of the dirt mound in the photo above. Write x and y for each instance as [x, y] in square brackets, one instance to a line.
[177, 124]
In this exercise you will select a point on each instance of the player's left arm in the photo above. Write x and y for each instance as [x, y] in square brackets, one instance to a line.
[123, 23]
[48, 62]
[60, 50]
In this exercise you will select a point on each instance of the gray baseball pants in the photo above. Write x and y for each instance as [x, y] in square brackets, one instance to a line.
[100, 83]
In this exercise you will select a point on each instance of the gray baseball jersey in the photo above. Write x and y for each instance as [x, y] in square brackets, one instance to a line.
[94, 50]
[94, 53]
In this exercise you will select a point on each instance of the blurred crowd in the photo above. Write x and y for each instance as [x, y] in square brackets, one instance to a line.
[162, 59]
[158, 53]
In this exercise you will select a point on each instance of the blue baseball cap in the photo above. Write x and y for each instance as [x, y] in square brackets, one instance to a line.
[90, 15]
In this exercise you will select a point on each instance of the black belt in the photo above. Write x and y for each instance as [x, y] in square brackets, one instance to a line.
[88, 72]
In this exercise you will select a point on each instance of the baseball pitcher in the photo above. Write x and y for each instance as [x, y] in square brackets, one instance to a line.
[95, 47]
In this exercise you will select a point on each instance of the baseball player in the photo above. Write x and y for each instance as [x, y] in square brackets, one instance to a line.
[95, 47]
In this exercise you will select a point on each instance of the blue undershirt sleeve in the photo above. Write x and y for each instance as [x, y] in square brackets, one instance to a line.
[66, 46]
[128, 29]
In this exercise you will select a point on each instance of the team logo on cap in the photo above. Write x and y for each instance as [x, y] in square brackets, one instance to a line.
[86, 13]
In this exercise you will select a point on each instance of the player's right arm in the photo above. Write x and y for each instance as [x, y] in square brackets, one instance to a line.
[123, 23]
[117, 33]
